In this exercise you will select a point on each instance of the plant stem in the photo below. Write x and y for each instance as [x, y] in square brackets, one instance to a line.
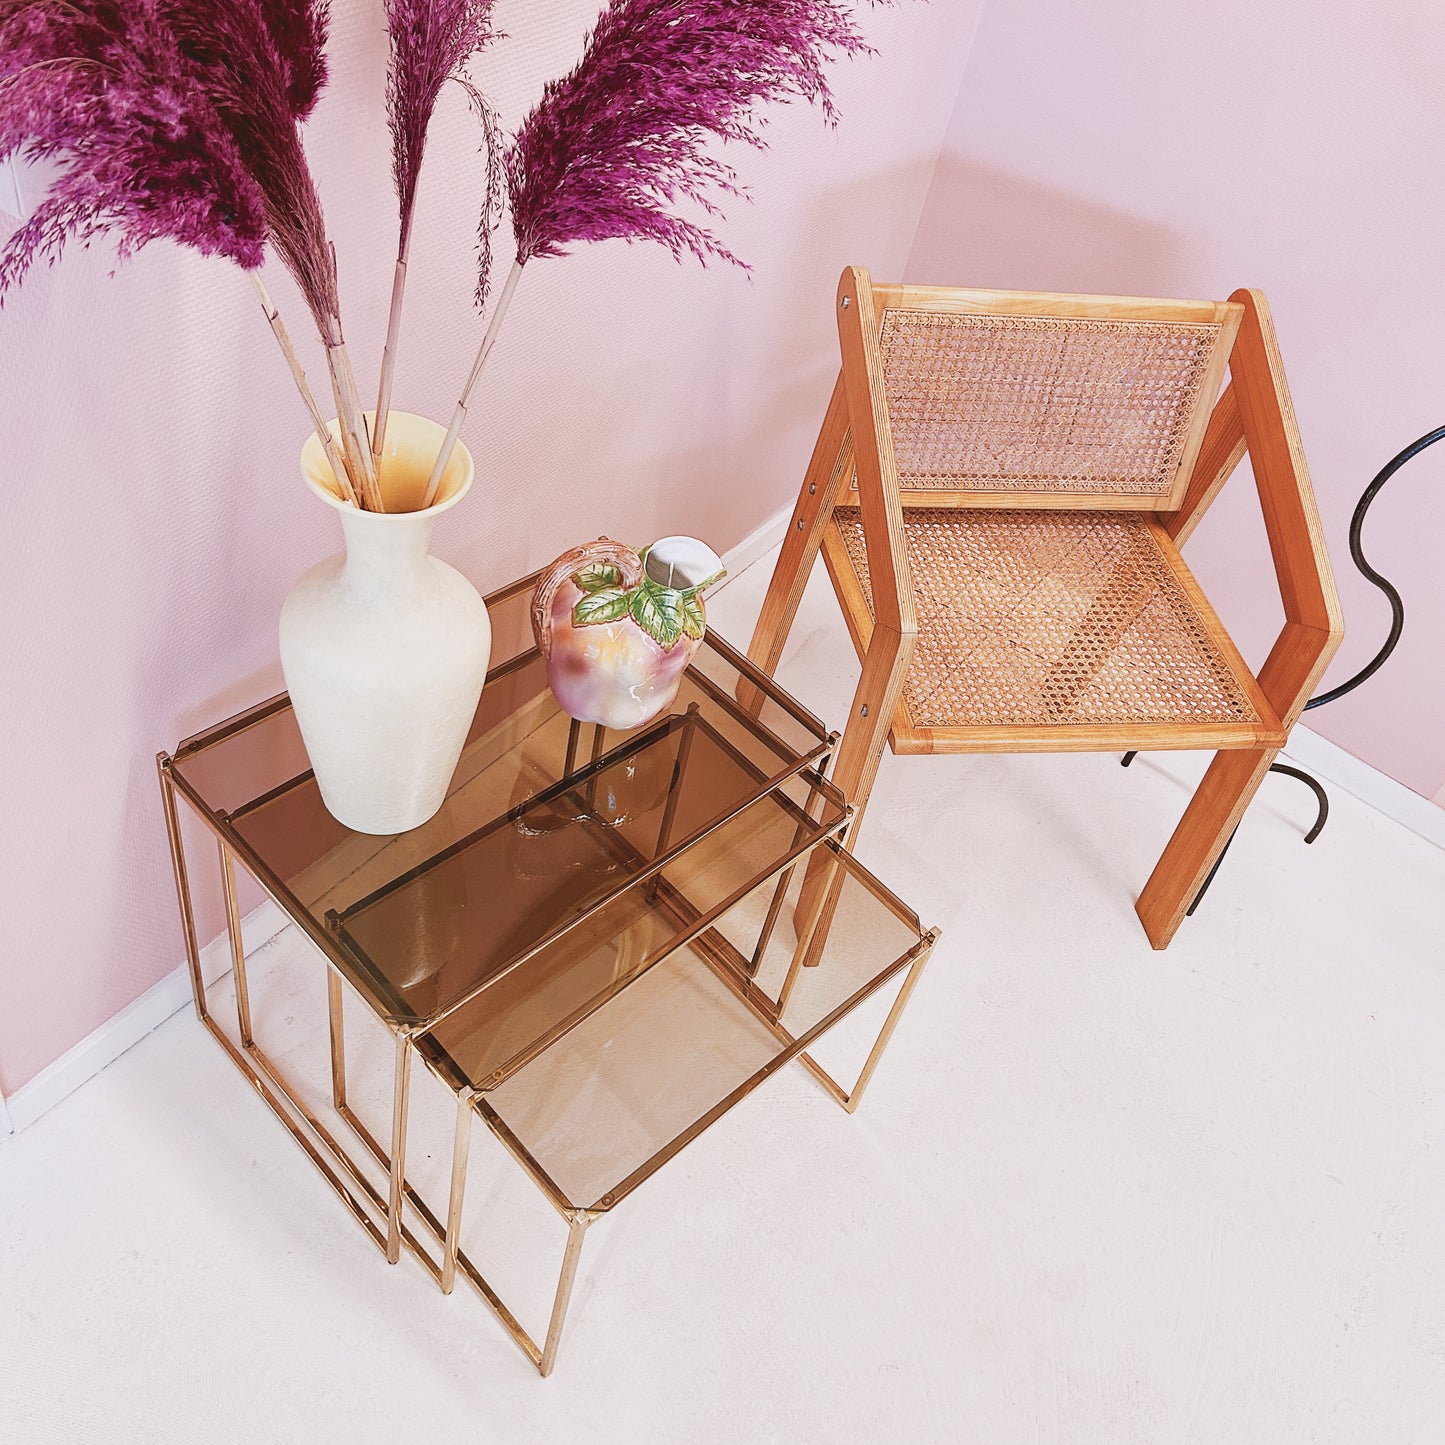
[354, 443]
[460, 414]
[323, 432]
[388, 356]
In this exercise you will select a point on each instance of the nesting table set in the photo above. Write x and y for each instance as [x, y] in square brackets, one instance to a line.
[601, 943]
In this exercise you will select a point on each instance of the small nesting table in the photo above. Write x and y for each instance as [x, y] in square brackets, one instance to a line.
[599, 945]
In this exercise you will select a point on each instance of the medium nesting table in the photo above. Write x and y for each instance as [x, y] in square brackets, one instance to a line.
[598, 946]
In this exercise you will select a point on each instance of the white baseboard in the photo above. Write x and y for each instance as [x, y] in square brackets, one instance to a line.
[758, 543]
[173, 992]
[135, 1021]
[1332, 764]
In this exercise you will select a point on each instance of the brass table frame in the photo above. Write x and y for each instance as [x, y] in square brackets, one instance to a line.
[383, 1217]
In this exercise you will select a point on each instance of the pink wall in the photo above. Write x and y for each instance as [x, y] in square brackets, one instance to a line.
[152, 514]
[1187, 150]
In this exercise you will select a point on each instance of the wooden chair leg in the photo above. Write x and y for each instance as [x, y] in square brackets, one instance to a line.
[1210, 819]
[884, 670]
[832, 463]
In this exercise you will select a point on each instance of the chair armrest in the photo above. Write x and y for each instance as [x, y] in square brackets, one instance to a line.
[1314, 625]
[1255, 414]
[873, 454]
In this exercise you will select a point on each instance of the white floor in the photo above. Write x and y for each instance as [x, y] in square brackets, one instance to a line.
[1096, 1194]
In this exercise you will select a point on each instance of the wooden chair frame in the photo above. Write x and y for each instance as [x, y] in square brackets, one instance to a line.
[1252, 414]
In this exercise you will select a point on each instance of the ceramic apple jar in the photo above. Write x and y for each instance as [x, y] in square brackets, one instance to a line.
[618, 627]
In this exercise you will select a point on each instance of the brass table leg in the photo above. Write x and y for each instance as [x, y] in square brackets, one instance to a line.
[851, 1099]
[401, 1093]
[461, 1148]
[183, 884]
[336, 1022]
[238, 950]
[576, 1230]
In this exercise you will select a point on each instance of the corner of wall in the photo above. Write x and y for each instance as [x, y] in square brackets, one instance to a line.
[943, 144]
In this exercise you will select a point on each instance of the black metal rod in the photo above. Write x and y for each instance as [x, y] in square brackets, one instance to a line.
[1321, 818]
[1357, 554]
[1209, 878]
[1321, 797]
[1391, 642]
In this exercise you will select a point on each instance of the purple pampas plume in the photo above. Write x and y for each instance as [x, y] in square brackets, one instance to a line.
[299, 28]
[235, 56]
[615, 145]
[99, 87]
[431, 43]
[155, 138]
[612, 148]
[261, 63]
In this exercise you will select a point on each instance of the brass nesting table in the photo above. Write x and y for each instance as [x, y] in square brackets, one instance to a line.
[599, 945]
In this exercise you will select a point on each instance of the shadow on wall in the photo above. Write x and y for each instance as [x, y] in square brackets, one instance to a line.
[987, 228]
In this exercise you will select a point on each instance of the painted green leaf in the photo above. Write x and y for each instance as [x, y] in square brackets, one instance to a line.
[694, 624]
[597, 576]
[609, 604]
[707, 582]
[658, 612]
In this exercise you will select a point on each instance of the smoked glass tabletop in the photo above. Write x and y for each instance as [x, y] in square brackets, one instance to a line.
[629, 1075]
[555, 836]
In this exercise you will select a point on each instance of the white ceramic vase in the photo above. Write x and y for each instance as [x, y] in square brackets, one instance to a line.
[385, 648]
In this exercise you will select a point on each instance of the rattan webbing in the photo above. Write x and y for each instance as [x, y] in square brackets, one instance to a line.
[1041, 403]
[1035, 618]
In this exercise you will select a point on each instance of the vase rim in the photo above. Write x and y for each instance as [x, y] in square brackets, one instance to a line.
[411, 440]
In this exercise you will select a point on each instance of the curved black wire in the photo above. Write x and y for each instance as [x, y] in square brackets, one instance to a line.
[1397, 627]
[1357, 555]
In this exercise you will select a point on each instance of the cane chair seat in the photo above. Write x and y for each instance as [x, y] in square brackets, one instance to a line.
[1048, 630]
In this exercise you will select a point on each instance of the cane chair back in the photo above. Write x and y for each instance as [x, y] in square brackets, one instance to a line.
[1009, 399]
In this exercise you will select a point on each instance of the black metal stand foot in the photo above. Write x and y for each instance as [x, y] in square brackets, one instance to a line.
[1321, 797]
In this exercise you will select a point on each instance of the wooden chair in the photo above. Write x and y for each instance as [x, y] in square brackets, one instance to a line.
[1000, 490]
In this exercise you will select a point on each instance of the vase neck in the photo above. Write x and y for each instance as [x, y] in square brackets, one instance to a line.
[385, 549]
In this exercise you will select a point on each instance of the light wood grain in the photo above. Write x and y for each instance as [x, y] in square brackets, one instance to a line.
[1083, 738]
[880, 687]
[830, 465]
[985, 302]
[875, 701]
[1207, 825]
[1314, 625]
[1315, 622]
[1220, 453]
[873, 453]
[1219, 354]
